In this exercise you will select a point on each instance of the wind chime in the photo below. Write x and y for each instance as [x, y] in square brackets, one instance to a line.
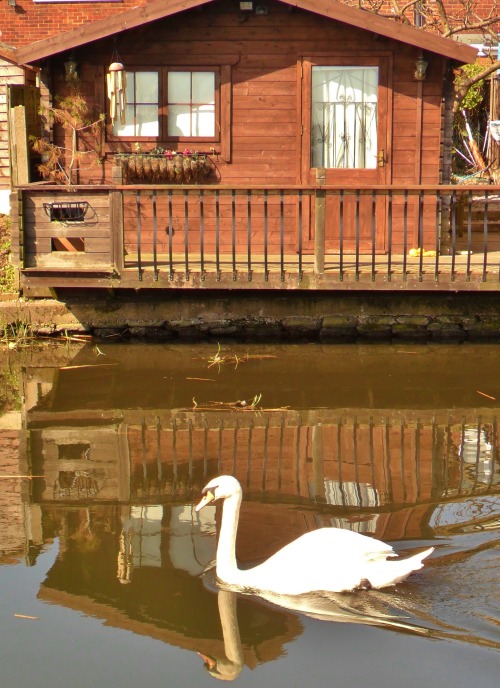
[116, 80]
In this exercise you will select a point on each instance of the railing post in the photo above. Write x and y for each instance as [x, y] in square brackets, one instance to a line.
[319, 222]
[116, 229]
[17, 228]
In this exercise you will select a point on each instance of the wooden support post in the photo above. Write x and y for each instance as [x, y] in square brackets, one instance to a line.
[319, 223]
[117, 174]
[116, 230]
[16, 228]
[19, 146]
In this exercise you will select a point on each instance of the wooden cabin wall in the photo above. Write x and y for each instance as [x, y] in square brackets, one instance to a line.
[265, 127]
[10, 74]
[80, 244]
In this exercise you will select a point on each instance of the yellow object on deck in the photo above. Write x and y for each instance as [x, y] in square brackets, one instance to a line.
[415, 252]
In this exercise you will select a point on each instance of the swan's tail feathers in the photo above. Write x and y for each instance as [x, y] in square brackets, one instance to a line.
[398, 570]
[416, 561]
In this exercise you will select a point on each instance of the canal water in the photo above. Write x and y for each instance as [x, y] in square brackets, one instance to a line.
[105, 568]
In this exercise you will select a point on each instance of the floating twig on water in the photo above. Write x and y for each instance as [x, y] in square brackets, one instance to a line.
[485, 395]
[218, 359]
[239, 405]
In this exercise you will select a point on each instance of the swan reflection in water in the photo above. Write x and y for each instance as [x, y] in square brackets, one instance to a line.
[315, 575]
[266, 621]
[364, 607]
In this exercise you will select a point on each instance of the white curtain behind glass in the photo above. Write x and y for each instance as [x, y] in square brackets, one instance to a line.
[344, 117]
[141, 114]
[191, 104]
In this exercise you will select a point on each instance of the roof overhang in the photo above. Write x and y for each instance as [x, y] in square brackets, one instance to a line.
[159, 9]
[7, 52]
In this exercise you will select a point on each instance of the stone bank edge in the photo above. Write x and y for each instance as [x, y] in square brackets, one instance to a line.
[326, 321]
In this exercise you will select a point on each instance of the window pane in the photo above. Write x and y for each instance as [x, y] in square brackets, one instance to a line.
[129, 91]
[179, 87]
[179, 120]
[203, 121]
[203, 87]
[146, 87]
[126, 129]
[147, 120]
[344, 117]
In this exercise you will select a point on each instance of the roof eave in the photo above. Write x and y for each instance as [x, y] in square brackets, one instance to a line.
[138, 16]
[430, 42]
[102, 28]
[7, 52]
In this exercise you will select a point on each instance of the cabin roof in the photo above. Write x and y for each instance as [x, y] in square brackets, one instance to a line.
[7, 52]
[159, 9]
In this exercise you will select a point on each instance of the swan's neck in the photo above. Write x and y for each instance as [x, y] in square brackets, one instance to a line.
[227, 568]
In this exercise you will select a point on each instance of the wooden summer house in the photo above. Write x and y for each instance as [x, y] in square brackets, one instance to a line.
[262, 144]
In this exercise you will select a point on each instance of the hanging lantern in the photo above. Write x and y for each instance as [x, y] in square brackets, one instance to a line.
[117, 85]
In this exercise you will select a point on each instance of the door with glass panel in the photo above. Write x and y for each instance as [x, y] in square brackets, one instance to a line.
[346, 133]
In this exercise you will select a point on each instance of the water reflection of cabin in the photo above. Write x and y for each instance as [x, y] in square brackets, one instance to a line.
[326, 129]
[154, 595]
[358, 464]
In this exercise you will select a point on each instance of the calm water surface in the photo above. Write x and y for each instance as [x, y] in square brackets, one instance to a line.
[105, 574]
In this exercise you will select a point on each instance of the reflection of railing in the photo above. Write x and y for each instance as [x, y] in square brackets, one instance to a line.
[354, 462]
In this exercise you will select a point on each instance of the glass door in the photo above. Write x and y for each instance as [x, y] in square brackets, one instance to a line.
[346, 133]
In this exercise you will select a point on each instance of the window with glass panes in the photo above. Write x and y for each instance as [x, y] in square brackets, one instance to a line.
[191, 104]
[190, 99]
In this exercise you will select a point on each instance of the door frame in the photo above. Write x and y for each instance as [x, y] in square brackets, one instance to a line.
[360, 177]
[382, 60]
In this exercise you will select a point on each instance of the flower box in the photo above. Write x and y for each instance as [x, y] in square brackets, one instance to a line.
[170, 168]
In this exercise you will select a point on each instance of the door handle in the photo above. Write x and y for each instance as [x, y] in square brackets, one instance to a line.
[381, 159]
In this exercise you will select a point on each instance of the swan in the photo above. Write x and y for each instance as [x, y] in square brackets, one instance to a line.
[321, 561]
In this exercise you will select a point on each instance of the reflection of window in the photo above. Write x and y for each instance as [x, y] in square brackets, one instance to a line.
[350, 494]
[191, 104]
[141, 117]
[73, 452]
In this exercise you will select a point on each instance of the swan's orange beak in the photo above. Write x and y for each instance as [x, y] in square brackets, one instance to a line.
[206, 499]
[210, 663]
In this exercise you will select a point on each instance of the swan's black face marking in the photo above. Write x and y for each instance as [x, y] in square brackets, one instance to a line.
[210, 490]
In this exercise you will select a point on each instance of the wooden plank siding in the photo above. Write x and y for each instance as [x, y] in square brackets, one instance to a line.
[10, 74]
[50, 243]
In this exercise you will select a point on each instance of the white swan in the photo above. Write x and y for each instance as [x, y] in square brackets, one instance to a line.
[321, 561]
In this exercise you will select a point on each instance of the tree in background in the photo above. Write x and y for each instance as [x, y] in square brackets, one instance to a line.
[448, 18]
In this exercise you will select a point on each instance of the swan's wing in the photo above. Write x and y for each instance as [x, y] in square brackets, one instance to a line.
[337, 544]
[328, 559]
[329, 546]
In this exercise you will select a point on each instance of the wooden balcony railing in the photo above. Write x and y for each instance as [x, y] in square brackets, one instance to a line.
[295, 237]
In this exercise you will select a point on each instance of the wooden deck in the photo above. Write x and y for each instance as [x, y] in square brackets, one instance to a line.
[260, 238]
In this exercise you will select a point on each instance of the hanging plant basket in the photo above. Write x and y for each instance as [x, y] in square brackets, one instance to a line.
[176, 168]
